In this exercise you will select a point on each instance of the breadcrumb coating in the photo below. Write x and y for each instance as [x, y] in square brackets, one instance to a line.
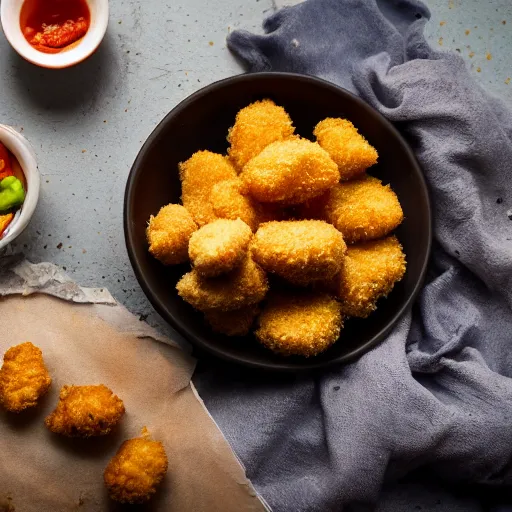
[289, 172]
[23, 377]
[301, 251]
[362, 209]
[219, 247]
[369, 272]
[229, 203]
[135, 471]
[243, 286]
[352, 153]
[169, 232]
[198, 175]
[85, 411]
[233, 323]
[302, 323]
[256, 126]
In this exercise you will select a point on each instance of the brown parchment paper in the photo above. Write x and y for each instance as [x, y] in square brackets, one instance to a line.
[100, 343]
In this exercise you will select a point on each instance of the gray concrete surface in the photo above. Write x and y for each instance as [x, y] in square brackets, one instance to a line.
[88, 123]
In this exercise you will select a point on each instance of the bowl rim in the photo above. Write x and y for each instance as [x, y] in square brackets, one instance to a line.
[309, 364]
[24, 153]
[74, 55]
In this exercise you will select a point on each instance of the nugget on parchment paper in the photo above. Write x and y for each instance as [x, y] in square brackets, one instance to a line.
[352, 153]
[198, 175]
[169, 232]
[23, 377]
[256, 126]
[136, 470]
[85, 411]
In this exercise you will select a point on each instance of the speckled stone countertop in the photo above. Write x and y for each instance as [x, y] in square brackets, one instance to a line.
[87, 123]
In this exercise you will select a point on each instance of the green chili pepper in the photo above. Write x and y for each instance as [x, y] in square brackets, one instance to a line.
[12, 193]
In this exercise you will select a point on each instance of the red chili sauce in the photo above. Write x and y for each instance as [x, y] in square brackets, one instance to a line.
[50, 26]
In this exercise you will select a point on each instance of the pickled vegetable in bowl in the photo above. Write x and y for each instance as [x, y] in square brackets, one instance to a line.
[12, 190]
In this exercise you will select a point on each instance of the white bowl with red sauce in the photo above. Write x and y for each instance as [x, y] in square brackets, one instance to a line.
[23, 161]
[54, 33]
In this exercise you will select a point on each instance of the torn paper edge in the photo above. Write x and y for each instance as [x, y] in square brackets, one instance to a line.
[248, 482]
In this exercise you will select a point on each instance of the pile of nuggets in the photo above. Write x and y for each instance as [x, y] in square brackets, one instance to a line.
[140, 464]
[283, 234]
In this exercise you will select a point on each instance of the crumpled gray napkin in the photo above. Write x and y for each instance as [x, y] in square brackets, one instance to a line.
[436, 396]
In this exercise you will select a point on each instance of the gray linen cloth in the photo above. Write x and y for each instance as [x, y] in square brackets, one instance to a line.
[436, 396]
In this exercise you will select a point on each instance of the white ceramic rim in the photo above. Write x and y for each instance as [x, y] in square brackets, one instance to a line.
[10, 19]
[22, 150]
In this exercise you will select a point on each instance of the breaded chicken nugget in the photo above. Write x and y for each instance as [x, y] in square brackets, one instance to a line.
[299, 323]
[362, 209]
[135, 471]
[85, 411]
[243, 286]
[168, 234]
[229, 203]
[346, 146]
[219, 247]
[301, 251]
[289, 172]
[256, 126]
[233, 323]
[369, 272]
[23, 377]
[198, 175]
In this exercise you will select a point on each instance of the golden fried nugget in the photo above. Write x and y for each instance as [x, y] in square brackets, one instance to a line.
[85, 411]
[301, 251]
[233, 323]
[369, 272]
[168, 234]
[362, 209]
[256, 126]
[299, 323]
[289, 172]
[352, 153]
[219, 247]
[243, 286]
[23, 377]
[198, 175]
[229, 203]
[135, 471]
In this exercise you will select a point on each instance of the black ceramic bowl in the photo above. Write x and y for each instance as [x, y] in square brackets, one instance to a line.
[201, 122]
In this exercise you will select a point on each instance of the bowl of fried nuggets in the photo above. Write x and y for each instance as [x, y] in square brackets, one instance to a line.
[278, 221]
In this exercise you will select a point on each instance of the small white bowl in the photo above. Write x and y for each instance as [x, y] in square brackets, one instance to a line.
[10, 19]
[22, 150]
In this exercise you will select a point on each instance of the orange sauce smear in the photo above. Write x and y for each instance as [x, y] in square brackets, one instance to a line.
[51, 26]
